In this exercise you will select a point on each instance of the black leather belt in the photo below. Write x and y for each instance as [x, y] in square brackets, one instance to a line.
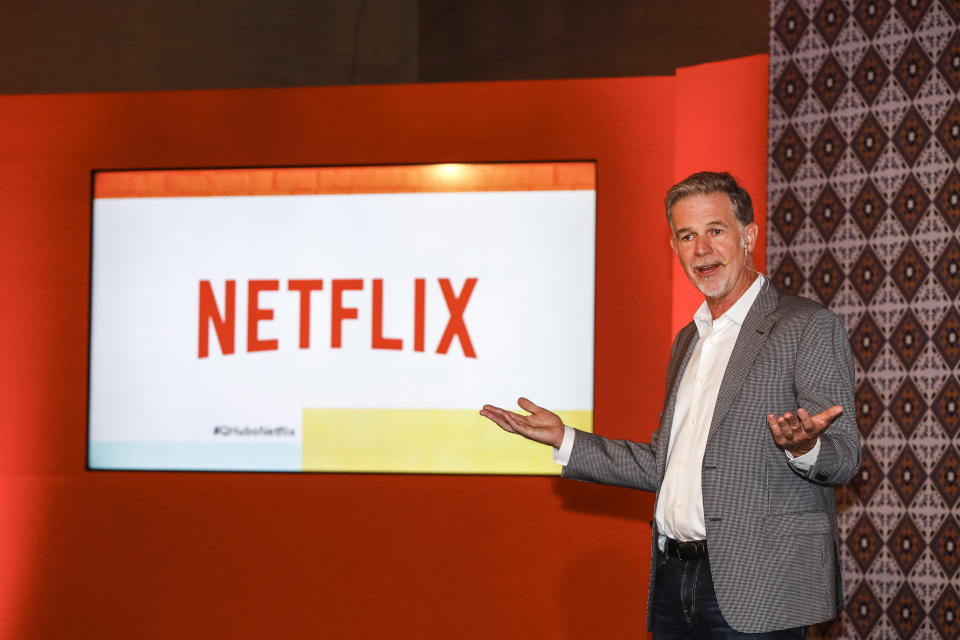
[691, 550]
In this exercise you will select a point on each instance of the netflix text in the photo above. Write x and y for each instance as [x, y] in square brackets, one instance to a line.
[223, 318]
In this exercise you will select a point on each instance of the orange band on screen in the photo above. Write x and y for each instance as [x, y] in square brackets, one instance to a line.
[531, 176]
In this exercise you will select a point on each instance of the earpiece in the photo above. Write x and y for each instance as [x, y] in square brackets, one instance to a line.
[743, 245]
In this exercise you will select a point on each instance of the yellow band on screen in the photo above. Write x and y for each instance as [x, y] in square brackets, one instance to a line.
[423, 441]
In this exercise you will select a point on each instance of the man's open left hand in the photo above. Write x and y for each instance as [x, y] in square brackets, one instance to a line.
[797, 433]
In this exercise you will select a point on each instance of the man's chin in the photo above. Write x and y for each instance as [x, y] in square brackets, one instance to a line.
[710, 290]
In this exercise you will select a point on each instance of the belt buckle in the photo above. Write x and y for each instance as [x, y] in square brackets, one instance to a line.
[689, 550]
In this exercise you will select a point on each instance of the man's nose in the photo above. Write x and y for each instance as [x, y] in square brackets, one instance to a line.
[702, 246]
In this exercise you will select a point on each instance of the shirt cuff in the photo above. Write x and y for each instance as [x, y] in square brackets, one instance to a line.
[807, 460]
[562, 455]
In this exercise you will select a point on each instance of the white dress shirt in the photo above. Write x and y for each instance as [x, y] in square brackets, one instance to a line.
[679, 510]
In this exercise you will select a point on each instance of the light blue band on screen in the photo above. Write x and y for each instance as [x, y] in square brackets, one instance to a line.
[196, 456]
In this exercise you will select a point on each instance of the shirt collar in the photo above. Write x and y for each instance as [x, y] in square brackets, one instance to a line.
[735, 314]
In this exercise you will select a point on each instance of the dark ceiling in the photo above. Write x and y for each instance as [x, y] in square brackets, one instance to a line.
[130, 45]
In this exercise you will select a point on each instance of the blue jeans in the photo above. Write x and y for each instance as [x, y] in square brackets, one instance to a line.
[685, 605]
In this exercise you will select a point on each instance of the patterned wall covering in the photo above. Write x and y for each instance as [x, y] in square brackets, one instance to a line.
[864, 196]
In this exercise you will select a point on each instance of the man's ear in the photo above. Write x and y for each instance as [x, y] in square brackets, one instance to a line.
[751, 232]
[673, 245]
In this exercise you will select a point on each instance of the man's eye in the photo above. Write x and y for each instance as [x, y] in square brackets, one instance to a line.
[687, 237]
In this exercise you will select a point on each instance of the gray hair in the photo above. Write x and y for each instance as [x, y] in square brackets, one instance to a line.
[707, 182]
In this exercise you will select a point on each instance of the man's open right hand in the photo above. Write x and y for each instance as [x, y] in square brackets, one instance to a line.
[541, 425]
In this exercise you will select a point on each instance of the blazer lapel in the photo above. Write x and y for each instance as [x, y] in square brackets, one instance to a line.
[753, 333]
[678, 364]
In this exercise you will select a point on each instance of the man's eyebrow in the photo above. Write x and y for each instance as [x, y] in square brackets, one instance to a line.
[713, 223]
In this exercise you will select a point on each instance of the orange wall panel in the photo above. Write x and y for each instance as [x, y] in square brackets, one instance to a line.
[164, 555]
[722, 126]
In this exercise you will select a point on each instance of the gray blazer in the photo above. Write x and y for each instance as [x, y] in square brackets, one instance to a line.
[771, 530]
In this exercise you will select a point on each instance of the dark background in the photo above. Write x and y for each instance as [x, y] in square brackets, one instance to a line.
[137, 45]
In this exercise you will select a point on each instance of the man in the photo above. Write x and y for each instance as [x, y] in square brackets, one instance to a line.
[745, 540]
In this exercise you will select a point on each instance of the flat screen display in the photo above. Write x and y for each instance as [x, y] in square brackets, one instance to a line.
[338, 319]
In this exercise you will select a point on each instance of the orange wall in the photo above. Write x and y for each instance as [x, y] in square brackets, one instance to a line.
[159, 555]
[723, 110]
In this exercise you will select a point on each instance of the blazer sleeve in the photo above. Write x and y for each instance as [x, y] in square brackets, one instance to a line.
[823, 376]
[623, 463]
